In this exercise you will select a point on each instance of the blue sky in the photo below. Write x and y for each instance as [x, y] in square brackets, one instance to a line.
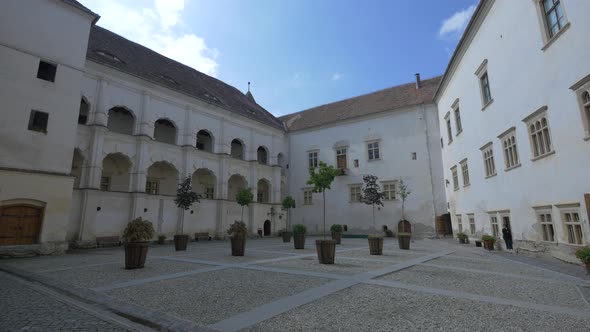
[297, 53]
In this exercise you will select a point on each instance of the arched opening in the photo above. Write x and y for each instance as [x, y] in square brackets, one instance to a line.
[204, 141]
[283, 190]
[237, 149]
[77, 161]
[162, 179]
[116, 168]
[267, 228]
[281, 160]
[165, 131]
[263, 191]
[235, 183]
[20, 224]
[83, 113]
[120, 121]
[204, 183]
[262, 155]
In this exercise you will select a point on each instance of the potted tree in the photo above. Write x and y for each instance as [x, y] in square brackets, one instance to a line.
[488, 242]
[321, 181]
[244, 197]
[404, 228]
[299, 231]
[375, 244]
[238, 233]
[185, 197]
[336, 231]
[288, 204]
[371, 194]
[137, 236]
[162, 239]
[462, 238]
[583, 254]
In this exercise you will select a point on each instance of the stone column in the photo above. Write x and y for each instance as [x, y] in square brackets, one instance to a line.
[145, 127]
[93, 169]
[100, 116]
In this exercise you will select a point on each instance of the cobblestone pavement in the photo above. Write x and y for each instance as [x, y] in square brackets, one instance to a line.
[437, 285]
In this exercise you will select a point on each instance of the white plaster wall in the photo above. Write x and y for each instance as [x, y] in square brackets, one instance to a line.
[523, 78]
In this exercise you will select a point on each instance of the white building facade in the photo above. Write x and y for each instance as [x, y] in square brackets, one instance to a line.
[514, 112]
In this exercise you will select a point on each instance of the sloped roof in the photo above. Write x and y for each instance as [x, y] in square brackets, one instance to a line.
[112, 50]
[81, 7]
[384, 100]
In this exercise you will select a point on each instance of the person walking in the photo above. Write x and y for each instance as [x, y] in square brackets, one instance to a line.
[507, 235]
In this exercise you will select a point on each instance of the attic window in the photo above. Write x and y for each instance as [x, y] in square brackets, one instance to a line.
[251, 111]
[211, 97]
[108, 56]
[168, 78]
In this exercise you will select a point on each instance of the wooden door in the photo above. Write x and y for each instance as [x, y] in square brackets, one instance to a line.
[267, 228]
[20, 224]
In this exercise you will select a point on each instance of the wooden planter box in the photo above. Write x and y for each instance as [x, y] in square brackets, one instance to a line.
[337, 237]
[326, 250]
[180, 242]
[238, 246]
[488, 244]
[286, 237]
[135, 254]
[376, 246]
[299, 241]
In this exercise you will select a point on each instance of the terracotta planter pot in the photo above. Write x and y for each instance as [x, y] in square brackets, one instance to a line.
[286, 237]
[299, 241]
[326, 251]
[404, 241]
[135, 254]
[337, 237]
[376, 246]
[238, 246]
[488, 244]
[180, 242]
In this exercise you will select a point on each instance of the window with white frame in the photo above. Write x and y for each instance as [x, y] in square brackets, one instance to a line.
[307, 197]
[546, 221]
[573, 225]
[586, 109]
[484, 83]
[582, 90]
[459, 223]
[313, 159]
[539, 135]
[508, 139]
[373, 151]
[464, 172]
[553, 16]
[341, 158]
[495, 226]
[105, 183]
[449, 128]
[455, 178]
[209, 193]
[488, 159]
[458, 124]
[471, 218]
[355, 193]
[389, 191]
[152, 186]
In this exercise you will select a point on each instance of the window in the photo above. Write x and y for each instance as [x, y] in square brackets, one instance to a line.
[508, 139]
[449, 129]
[459, 223]
[414, 156]
[260, 197]
[495, 226]
[355, 193]
[152, 186]
[46, 71]
[455, 178]
[554, 17]
[573, 225]
[458, 120]
[105, 183]
[83, 112]
[373, 150]
[546, 221]
[471, 223]
[484, 83]
[586, 109]
[582, 89]
[341, 158]
[488, 160]
[465, 172]
[209, 193]
[389, 191]
[313, 159]
[539, 135]
[307, 197]
[356, 163]
[38, 121]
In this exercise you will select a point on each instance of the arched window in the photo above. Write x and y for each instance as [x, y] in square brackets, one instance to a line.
[263, 191]
[204, 183]
[262, 155]
[586, 101]
[77, 162]
[237, 149]
[120, 121]
[116, 173]
[165, 131]
[83, 113]
[204, 141]
[235, 183]
[162, 179]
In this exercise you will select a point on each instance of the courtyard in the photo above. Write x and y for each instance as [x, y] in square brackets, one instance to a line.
[437, 285]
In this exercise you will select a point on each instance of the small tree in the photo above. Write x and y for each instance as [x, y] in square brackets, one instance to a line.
[403, 192]
[288, 204]
[322, 180]
[185, 197]
[372, 194]
[244, 197]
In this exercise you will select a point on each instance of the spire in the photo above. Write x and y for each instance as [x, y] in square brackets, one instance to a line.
[249, 94]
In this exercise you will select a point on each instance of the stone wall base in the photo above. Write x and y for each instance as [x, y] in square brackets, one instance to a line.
[559, 251]
[47, 248]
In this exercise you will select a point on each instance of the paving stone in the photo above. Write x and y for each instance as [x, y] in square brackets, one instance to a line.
[490, 265]
[342, 266]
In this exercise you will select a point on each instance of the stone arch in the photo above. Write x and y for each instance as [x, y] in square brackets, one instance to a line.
[267, 228]
[77, 164]
[116, 172]
[121, 120]
[162, 179]
[21, 220]
[262, 155]
[204, 181]
[205, 140]
[83, 111]
[235, 183]
[263, 191]
[238, 149]
[165, 131]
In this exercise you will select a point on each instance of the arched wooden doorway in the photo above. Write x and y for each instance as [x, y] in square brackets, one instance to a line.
[267, 228]
[20, 224]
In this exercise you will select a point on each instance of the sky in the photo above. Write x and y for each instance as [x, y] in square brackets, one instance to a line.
[297, 54]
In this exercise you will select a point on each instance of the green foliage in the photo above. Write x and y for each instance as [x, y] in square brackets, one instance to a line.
[289, 203]
[488, 238]
[371, 193]
[244, 197]
[299, 229]
[162, 238]
[403, 192]
[238, 229]
[336, 228]
[583, 254]
[462, 236]
[323, 178]
[185, 196]
[138, 230]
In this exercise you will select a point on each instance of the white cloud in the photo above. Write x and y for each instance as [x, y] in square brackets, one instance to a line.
[456, 24]
[336, 76]
[155, 24]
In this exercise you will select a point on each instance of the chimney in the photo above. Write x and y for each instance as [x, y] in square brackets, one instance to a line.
[417, 81]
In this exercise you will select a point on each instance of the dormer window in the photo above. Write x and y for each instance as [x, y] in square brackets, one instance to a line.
[251, 111]
[211, 97]
[109, 56]
[167, 78]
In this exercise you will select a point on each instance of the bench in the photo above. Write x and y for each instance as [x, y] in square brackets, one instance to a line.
[108, 241]
[202, 236]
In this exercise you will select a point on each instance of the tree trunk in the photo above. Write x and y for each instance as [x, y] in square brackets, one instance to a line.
[374, 226]
[324, 196]
[242, 217]
[180, 225]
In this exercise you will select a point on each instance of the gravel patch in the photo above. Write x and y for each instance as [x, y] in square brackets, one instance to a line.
[490, 285]
[213, 296]
[344, 266]
[491, 265]
[376, 308]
